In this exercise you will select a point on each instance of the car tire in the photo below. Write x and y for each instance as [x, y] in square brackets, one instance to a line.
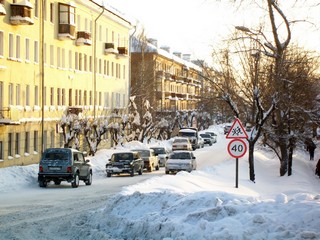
[108, 174]
[75, 181]
[89, 179]
[157, 167]
[132, 172]
[57, 182]
[167, 172]
[43, 183]
[140, 171]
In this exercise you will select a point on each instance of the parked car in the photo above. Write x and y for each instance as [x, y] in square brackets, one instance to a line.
[162, 154]
[192, 134]
[181, 161]
[200, 141]
[64, 164]
[226, 128]
[213, 135]
[181, 143]
[207, 138]
[125, 162]
[149, 158]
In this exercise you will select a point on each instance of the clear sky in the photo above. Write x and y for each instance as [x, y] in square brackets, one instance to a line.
[195, 26]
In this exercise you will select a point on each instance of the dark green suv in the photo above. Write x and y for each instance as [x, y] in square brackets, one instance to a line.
[64, 164]
[125, 162]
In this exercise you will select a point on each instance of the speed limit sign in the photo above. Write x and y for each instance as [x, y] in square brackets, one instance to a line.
[237, 148]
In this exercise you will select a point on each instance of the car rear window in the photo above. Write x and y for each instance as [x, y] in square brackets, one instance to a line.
[181, 155]
[122, 156]
[59, 155]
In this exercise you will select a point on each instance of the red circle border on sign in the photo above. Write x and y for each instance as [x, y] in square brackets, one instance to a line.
[245, 148]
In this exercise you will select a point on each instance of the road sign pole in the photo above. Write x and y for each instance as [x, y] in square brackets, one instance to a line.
[237, 171]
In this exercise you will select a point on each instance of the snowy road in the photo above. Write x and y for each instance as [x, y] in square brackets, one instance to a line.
[32, 212]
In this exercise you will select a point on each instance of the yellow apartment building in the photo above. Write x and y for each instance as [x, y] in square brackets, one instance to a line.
[57, 56]
[174, 83]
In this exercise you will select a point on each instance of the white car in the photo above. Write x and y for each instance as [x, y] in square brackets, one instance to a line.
[181, 161]
[181, 143]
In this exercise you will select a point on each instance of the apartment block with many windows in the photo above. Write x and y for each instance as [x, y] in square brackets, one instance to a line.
[57, 56]
[169, 81]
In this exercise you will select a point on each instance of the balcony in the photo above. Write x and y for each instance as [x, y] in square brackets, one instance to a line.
[83, 38]
[66, 31]
[122, 52]
[2, 9]
[5, 117]
[21, 13]
[109, 49]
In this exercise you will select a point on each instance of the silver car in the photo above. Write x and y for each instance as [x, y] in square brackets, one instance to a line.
[181, 161]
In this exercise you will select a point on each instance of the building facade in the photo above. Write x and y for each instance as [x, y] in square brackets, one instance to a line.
[170, 81]
[57, 56]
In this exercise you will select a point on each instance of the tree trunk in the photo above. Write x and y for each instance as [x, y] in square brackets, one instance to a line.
[284, 158]
[251, 161]
[290, 160]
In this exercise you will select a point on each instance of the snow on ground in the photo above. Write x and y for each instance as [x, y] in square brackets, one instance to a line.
[204, 204]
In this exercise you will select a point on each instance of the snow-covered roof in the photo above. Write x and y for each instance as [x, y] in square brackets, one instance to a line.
[169, 55]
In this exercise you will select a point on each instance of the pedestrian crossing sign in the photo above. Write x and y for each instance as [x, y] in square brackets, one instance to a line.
[237, 130]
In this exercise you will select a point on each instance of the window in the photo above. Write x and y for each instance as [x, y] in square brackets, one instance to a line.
[10, 94]
[70, 59]
[124, 72]
[45, 136]
[52, 139]
[36, 51]
[63, 97]
[18, 95]
[45, 53]
[70, 97]
[85, 62]
[76, 61]
[106, 99]
[90, 63]
[26, 142]
[27, 49]
[100, 98]
[1, 95]
[80, 98]
[76, 98]
[66, 14]
[17, 144]
[18, 47]
[85, 97]
[90, 98]
[63, 58]
[36, 95]
[80, 61]
[1, 44]
[51, 55]
[1, 150]
[10, 136]
[52, 12]
[11, 45]
[45, 10]
[45, 95]
[35, 141]
[28, 95]
[52, 96]
[58, 96]
[58, 57]
[36, 7]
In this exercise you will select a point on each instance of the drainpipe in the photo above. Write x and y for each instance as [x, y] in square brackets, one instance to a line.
[95, 63]
[129, 70]
[41, 68]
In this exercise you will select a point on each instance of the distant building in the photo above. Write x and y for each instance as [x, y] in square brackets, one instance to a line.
[74, 34]
[170, 81]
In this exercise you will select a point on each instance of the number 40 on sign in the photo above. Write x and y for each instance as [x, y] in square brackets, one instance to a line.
[237, 148]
